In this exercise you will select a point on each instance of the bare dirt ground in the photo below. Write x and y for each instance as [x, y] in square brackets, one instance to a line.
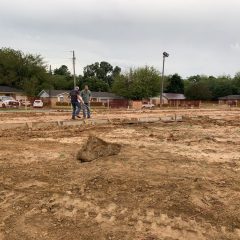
[169, 181]
[54, 115]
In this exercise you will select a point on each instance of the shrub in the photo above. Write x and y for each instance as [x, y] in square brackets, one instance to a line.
[96, 104]
[62, 104]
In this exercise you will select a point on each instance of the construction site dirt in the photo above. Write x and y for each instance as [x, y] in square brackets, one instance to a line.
[177, 180]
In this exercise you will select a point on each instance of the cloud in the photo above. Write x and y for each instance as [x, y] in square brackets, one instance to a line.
[197, 33]
[235, 46]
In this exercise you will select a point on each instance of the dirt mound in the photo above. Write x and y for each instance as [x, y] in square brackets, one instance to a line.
[96, 148]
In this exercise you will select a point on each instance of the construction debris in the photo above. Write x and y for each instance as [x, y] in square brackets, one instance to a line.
[96, 148]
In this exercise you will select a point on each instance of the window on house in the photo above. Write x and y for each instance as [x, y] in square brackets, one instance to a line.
[61, 98]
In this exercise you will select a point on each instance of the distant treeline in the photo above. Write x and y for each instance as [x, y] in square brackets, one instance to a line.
[30, 73]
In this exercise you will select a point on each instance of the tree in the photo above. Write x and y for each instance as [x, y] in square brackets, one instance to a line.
[99, 75]
[61, 82]
[62, 78]
[121, 85]
[236, 82]
[63, 71]
[175, 84]
[23, 71]
[223, 86]
[214, 87]
[195, 78]
[138, 84]
[198, 91]
[94, 84]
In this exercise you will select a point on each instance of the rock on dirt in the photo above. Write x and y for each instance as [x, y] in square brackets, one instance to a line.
[96, 148]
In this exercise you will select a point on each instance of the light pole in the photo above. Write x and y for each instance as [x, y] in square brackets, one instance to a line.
[165, 54]
[74, 72]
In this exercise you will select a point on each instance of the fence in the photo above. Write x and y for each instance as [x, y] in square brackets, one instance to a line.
[230, 103]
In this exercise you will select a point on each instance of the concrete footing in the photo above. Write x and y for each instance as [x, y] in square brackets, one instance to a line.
[149, 120]
[96, 121]
[168, 119]
[43, 125]
[37, 125]
[6, 126]
[71, 123]
[130, 121]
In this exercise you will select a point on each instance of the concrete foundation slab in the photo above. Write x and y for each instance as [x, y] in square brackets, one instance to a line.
[167, 119]
[72, 123]
[129, 120]
[149, 120]
[36, 125]
[115, 120]
[42, 125]
[179, 118]
[96, 121]
[6, 126]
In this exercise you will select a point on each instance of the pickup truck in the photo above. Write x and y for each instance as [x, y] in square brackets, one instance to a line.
[148, 106]
[8, 102]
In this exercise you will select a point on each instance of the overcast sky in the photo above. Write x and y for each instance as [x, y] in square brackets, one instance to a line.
[202, 36]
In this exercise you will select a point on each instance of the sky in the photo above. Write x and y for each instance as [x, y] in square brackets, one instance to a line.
[201, 36]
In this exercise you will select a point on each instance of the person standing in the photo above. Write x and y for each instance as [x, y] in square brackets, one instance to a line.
[76, 102]
[86, 98]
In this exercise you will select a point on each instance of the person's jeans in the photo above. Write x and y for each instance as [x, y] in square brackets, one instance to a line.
[86, 110]
[76, 109]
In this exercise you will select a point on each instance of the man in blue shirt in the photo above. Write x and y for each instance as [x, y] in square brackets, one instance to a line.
[76, 102]
[86, 98]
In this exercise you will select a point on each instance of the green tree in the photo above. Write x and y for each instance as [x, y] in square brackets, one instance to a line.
[121, 85]
[99, 75]
[63, 71]
[23, 71]
[61, 82]
[197, 91]
[222, 86]
[62, 78]
[138, 84]
[236, 83]
[94, 84]
[175, 84]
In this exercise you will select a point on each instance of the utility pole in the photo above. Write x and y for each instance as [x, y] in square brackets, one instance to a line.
[74, 72]
[165, 54]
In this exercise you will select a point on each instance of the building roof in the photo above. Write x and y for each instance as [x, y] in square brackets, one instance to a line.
[55, 93]
[105, 95]
[230, 97]
[6, 89]
[58, 92]
[174, 96]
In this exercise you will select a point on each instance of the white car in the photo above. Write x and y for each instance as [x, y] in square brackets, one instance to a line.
[38, 104]
[8, 102]
[148, 106]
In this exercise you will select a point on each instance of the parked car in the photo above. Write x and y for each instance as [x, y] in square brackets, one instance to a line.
[8, 102]
[25, 103]
[38, 104]
[148, 106]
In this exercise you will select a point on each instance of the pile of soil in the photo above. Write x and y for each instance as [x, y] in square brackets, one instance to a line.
[96, 148]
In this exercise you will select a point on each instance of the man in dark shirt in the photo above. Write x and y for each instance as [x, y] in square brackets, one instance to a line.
[76, 102]
[86, 98]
